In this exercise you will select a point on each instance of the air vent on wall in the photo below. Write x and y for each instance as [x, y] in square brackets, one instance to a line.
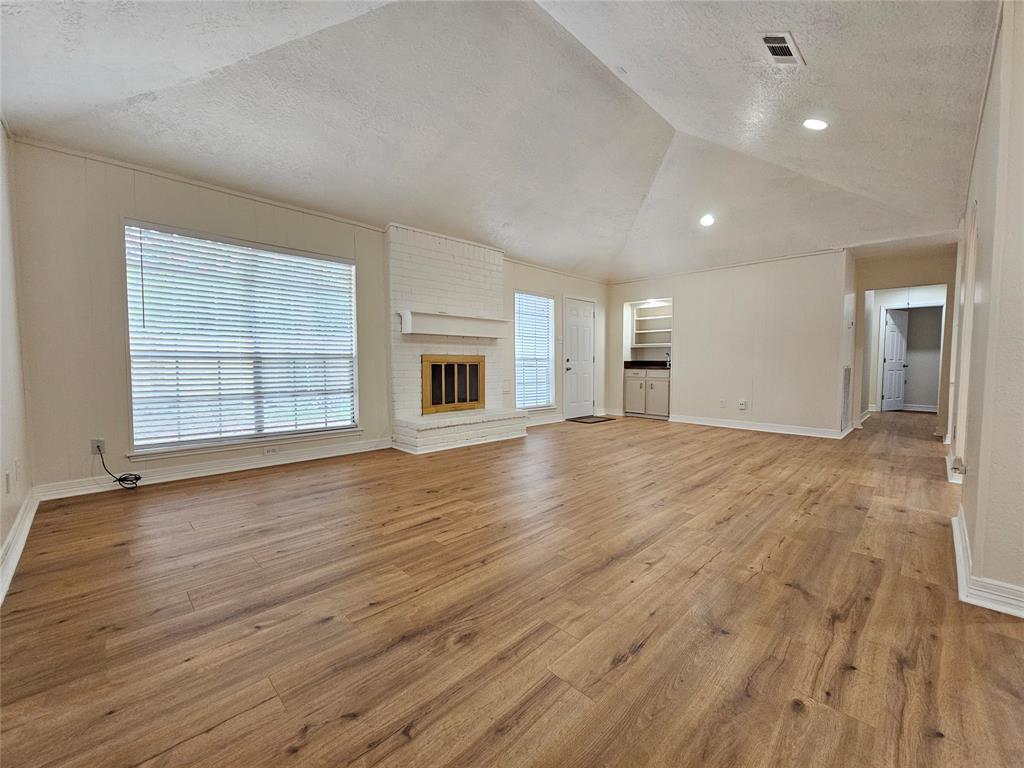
[781, 47]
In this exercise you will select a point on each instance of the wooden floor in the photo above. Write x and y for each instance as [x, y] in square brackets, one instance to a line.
[632, 593]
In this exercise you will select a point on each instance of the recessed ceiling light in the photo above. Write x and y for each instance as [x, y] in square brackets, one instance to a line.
[814, 124]
[707, 220]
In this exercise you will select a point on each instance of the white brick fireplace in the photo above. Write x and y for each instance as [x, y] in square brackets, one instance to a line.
[448, 287]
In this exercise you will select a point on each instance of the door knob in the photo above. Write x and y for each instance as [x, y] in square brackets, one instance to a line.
[905, 365]
[568, 368]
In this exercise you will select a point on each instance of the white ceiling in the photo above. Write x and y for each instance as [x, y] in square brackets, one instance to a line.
[589, 137]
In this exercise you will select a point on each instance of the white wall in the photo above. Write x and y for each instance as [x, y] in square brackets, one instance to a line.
[69, 211]
[993, 492]
[771, 333]
[867, 319]
[924, 358]
[558, 286]
[14, 452]
[71, 296]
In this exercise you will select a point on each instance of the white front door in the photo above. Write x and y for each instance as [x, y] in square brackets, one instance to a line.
[894, 359]
[578, 359]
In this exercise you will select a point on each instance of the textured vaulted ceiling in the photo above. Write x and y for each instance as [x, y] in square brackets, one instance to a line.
[585, 136]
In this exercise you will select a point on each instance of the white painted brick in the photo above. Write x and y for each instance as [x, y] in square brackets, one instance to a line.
[433, 273]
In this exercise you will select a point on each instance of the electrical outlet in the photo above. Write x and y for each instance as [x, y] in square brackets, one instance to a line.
[270, 450]
[742, 405]
[97, 446]
[721, 403]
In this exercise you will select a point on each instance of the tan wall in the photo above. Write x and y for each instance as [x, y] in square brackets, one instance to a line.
[770, 333]
[877, 268]
[557, 285]
[14, 452]
[71, 291]
[993, 492]
[924, 356]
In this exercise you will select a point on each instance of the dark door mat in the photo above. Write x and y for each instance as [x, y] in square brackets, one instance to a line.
[591, 419]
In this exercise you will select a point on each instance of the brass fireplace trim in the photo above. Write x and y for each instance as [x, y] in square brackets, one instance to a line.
[426, 361]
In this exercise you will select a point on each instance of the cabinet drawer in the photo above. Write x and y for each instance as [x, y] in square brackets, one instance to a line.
[658, 373]
[636, 373]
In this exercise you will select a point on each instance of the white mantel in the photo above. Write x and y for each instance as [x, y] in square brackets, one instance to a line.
[445, 324]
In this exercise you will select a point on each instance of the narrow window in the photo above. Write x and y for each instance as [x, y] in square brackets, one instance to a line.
[535, 351]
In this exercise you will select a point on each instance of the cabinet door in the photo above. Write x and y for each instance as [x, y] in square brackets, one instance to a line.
[636, 395]
[657, 397]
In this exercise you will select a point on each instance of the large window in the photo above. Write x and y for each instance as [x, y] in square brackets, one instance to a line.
[231, 341]
[535, 351]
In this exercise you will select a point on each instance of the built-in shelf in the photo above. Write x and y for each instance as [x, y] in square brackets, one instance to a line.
[648, 326]
[443, 324]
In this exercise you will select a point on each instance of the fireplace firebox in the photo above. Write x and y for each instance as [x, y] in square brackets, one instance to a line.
[452, 382]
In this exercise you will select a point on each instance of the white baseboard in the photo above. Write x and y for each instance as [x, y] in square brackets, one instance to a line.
[921, 408]
[951, 476]
[865, 416]
[544, 417]
[85, 485]
[610, 412]
[15, 543]
[874, 408]
[758, 426]
[978, 590]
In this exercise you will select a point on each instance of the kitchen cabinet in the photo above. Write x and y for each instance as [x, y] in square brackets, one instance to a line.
[645, 392]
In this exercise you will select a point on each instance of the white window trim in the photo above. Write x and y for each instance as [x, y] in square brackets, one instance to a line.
[235, 443]
[554, 404]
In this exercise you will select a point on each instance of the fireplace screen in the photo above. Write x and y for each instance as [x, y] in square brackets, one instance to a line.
[452, 382]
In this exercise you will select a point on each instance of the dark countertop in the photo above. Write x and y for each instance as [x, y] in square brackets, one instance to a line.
[660, 364]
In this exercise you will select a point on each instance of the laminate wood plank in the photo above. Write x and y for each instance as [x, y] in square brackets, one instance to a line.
[634, 593]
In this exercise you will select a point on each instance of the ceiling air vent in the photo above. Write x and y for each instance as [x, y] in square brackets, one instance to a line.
[781, 47]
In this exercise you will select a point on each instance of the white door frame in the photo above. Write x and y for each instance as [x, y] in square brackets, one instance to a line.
[567, 364]
[876, 385]
[965, 301]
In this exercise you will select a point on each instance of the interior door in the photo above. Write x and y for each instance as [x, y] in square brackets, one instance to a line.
[894, 359]
[578, 352]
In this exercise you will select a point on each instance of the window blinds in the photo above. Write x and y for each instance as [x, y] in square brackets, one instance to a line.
[229, 341]
[535, 351]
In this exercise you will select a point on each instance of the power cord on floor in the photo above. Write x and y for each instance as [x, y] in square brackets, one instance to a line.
[127, 480]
